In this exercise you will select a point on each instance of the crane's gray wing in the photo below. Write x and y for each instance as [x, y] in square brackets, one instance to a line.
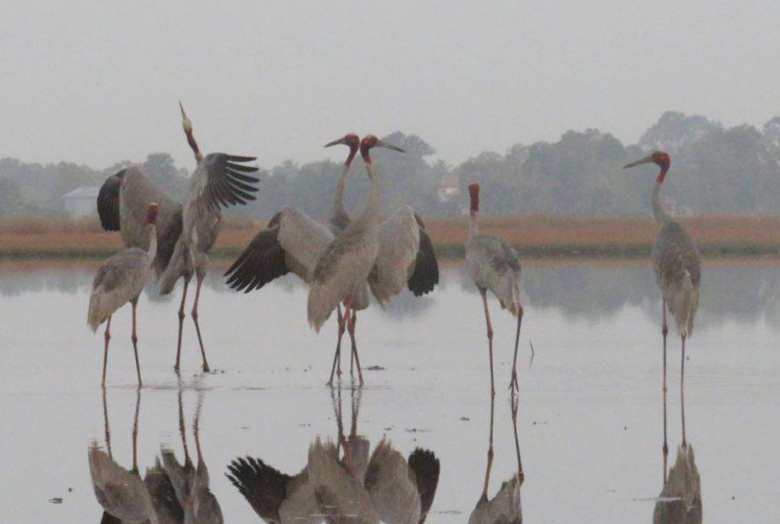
[674, 254]
[680, 498]
[120, 492]
[166, 505]
[340, 271]
[341, 498]
[392, 486]
[108, 202]
[264, 487]
[221, 180]
[292, 242]
[167, 237]
[399, 241]
[426, 267]
[426, 468]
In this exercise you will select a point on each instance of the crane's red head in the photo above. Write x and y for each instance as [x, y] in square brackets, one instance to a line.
[352, 141]
[151, 213]
[474, 195]
[370, 141]
[659, 158]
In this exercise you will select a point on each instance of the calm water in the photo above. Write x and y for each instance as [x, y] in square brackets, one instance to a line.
[589, 424]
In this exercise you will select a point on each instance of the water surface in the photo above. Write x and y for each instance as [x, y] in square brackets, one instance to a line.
[589, 424]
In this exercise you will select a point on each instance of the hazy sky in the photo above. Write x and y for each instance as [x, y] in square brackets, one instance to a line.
[95, 82]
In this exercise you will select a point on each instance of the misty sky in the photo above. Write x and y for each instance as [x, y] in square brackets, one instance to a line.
[95, 82]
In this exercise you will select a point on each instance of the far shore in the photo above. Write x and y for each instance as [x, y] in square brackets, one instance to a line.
[532, 236]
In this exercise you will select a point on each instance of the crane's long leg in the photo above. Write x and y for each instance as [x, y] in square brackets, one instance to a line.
[664, 331]
[513, 385]
[351, 327]
[105, 351]
[520, 474]
[135, 430]
[108, 431]
[682, 388]
[490, 449]
[197, 326]
[182, 428]
[196, 426]
[181, 322]
[134, 302]
[337, 355]
[490, 343]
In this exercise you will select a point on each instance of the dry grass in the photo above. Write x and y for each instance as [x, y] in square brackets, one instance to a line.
[532, 235]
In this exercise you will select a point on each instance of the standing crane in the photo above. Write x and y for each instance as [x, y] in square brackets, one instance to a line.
[494, 265]
[292, 242]
[219, 180]
[677, 268]
[388, 254]
[122, 203]
[120, 280]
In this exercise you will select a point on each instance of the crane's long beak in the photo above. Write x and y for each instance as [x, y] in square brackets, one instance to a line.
[382, 143]
[645, 160]
[342, 140]
[185, 122]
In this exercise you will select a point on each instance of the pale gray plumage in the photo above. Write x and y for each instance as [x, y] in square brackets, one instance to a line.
[122, 206]
[680, 499]
[399, 240]
[120, 492]
[494, 266]
[384, 252]
[504, 508]
[341, 497]
[119, 280]
[392, 486]
[677, 268]
[166, 505]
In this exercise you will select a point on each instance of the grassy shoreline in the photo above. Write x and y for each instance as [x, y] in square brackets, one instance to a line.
[534, 237]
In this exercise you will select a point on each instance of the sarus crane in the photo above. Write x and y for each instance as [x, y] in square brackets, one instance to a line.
[120, 280]
[390, 254]
[494, 265]
[677, 268]
[219, 180]
[292, 242]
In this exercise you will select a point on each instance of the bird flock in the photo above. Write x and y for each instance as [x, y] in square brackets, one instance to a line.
[343, 260]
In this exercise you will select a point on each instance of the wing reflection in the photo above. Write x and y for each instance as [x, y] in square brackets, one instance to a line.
[505, 507]
[169, 493]
[340, 483]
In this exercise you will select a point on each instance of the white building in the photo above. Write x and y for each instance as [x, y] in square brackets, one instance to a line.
[81, 202]
[448, 187]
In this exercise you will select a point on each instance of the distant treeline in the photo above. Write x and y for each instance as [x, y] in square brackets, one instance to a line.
[715, 170]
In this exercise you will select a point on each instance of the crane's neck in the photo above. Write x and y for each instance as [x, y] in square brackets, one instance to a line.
[152, 251]
[193, 145]
[370, 216]
[473, 224]
[341, 184]
[660, 214]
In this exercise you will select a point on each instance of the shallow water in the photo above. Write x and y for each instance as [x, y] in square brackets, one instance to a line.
[590, 418]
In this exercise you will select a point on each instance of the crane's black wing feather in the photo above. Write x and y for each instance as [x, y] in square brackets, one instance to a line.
[261, 262]
[426, 468]
[264, 487]
[108, 202]
[426, 266]
[226, 181]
